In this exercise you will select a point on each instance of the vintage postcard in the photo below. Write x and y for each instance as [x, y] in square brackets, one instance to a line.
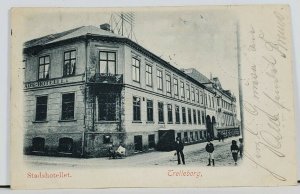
[152, 97]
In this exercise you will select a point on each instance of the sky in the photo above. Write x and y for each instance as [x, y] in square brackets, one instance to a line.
[204, 39]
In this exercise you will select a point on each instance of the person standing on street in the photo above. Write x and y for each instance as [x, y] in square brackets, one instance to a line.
[234, 150]
[179, 150]
[210, 150]
[219, 135]
[241, 147]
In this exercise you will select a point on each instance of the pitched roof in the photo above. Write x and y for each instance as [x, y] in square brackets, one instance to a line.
[97, 32]
[197, 75]
[76, 32]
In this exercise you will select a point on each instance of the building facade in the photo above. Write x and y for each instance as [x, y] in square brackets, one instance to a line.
[88, 88]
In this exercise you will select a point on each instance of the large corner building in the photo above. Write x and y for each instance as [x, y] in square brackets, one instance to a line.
[88, 88]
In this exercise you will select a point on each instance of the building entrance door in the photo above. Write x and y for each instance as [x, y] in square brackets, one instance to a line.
[138, 143]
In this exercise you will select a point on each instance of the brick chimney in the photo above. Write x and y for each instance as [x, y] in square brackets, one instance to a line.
[105, 26]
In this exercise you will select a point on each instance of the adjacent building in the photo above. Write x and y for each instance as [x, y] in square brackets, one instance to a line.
[88, 88]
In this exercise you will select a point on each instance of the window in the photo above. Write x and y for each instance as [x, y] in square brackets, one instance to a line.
[136, 69]
[168, 81]
[199, 117]
[197, 95]
[193, 93]
[209, 100]
[151, 141]
[68, 106]
[213, 102]
[187, 91]
[136, 108]
[203, 117]
[190, 115]
[65, 145]
[160, 112]
[194, 116]
[183, 115]
[201, 136]
[182, 89]
[69, 63]
[41, 108]
[148, 75]
[107, 139]
[202, 97]
[107, 62]
[179, 135]
[185, 136]
[191, 136]
[170, 113]
[159, 79]
[177, 115]
[175, 86]
[38, 144]
[44, 63]
[149, 110]
[107, 110]
[196, 135]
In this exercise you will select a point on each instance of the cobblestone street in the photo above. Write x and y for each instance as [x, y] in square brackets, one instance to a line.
[195, 155]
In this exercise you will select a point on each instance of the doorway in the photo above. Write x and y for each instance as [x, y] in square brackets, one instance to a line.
[138, 143]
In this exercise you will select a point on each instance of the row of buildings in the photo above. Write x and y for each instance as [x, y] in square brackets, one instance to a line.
[88, 88]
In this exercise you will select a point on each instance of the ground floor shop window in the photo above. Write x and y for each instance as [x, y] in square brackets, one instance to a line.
[151, 141]
[196, 135]
[107, 110]
[138, 143]
[185, 136]
[179, 135]
[38, 144]
[106, 139]
[65, 145]
[191, 136]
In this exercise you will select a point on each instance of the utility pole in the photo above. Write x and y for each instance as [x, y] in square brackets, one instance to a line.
[122, 25]
[240, 78]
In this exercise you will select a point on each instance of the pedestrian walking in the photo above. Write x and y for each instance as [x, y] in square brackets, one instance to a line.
[179, 150]
[219, 135]
[210, 150]
[241, 147]
[234, 151]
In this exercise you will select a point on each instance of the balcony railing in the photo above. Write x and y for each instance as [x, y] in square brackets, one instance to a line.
[107, 78]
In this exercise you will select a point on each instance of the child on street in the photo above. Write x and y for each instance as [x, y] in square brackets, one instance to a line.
[210, 150]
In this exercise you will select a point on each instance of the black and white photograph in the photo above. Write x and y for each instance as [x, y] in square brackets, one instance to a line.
[132, 89]
[152, 97]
